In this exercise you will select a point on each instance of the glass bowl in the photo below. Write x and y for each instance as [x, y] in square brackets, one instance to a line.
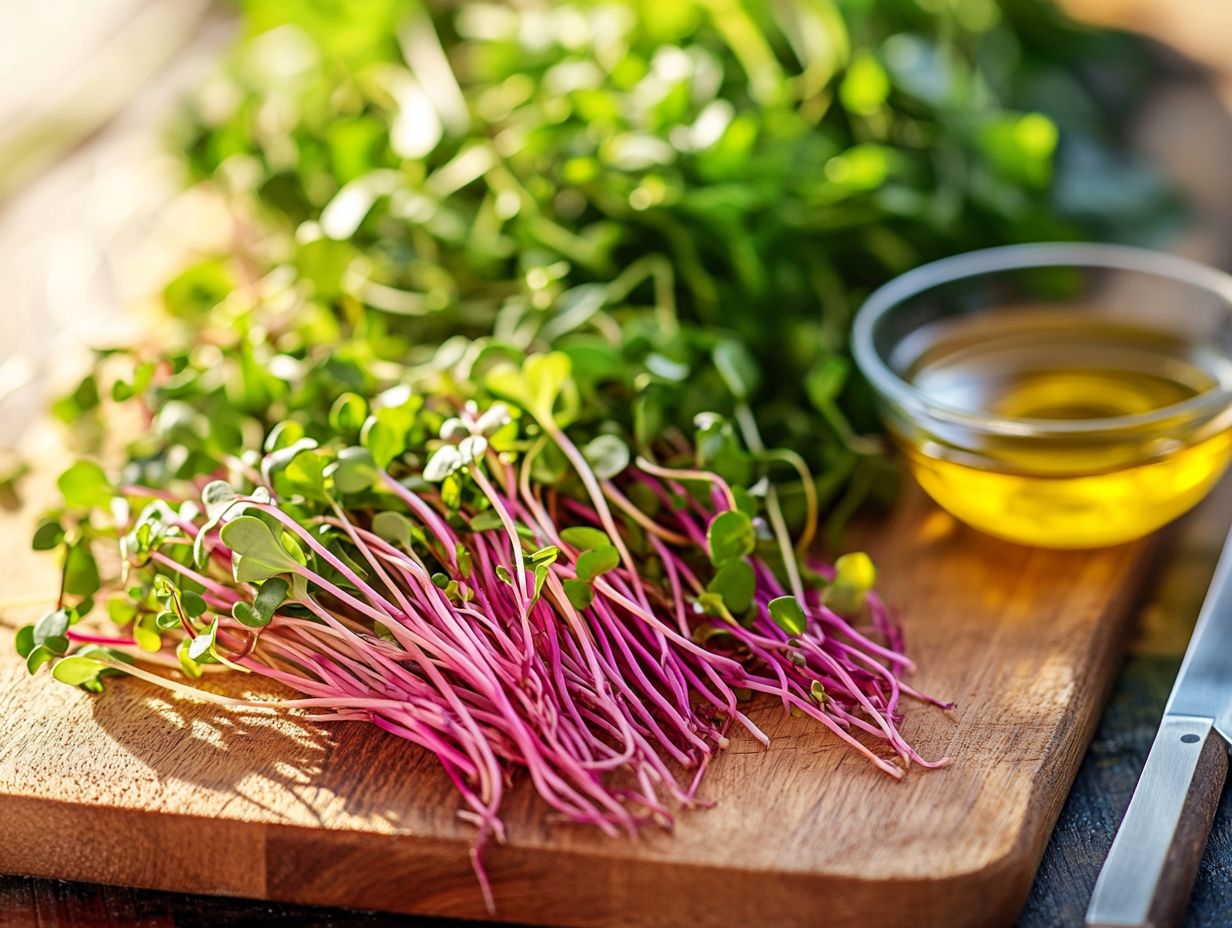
[1061, 395]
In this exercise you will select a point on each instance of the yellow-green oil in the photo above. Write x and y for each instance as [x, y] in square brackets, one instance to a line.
[1072, 489]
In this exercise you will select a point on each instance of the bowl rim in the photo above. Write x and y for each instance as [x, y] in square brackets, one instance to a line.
[1015, 257]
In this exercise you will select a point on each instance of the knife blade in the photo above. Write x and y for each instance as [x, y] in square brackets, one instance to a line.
[1149, 873]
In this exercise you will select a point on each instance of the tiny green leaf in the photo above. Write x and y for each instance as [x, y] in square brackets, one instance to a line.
[444, 461]
[393, 527]
[84, 399]
[545, 376]
[384, 434]
[217, 496]
[737, 368]
[190, 667]
[486, 521]
[246, 614]
[202, 644]
[788, 615]
[730, 535]
[607, 455]
[51, 625]
[283, 435]
[77, 671]
[546, 555]
[581, 594]
[24, 641]
[167, 620]
[305, 475]
[596, 561]
[121, 610]
[706, 632]
[735, 582]
[746, 502]
[854, 576]
[80, 571]
[818, 692]
[348, 413]
[451, 492]
[85, 486]
[145, 633]
[464, 560]
[37, 657]
[48, 535]
[668, 369]
[259, 554]
[193, 603]
[271, 595]
[354, 471]
[541, 576]
[826, 379]
[584, 538]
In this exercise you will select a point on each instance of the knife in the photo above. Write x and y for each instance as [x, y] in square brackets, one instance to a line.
[1150, 870]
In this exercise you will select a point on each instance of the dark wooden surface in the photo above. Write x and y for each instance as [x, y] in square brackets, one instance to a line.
[1100, 795]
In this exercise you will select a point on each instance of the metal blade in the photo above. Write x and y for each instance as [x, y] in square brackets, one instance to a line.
[1204, 685]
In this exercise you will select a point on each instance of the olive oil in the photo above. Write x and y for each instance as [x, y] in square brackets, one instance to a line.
[1090, 446]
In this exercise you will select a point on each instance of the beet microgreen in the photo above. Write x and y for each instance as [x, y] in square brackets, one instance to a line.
[499, 621]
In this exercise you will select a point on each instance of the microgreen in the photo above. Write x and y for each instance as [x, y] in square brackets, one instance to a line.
[484, 586]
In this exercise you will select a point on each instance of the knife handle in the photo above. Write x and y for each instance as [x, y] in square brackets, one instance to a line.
[1150, 870]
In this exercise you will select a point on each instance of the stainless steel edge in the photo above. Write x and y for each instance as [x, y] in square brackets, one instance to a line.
[1144, 880]
[1204, 684]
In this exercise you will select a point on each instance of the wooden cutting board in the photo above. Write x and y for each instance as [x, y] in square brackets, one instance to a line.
[147, 790]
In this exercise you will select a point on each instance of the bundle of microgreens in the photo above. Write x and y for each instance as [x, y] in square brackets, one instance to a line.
[450, 565]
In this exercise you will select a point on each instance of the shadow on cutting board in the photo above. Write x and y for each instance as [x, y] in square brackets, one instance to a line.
[273, 767]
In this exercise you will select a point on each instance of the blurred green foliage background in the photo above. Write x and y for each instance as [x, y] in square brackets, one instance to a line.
[690, 197]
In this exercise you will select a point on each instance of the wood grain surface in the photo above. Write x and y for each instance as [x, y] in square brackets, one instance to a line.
[140, 789]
